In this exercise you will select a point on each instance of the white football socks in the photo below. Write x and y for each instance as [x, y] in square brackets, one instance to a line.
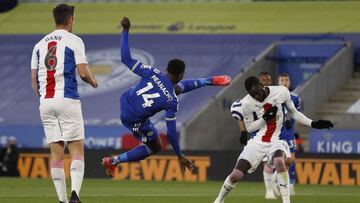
[77, 173]
[268, 181]
[225, 190]
[283, 182]
[58, 177]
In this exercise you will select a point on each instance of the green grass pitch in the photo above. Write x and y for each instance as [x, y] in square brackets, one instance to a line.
[14, 190]
[258, 17]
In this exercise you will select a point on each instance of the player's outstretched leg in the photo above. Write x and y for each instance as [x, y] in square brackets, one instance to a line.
[190, 85]
[220, 80]
[282, 175]
[268, 181]
[232, 179]
[138, 153]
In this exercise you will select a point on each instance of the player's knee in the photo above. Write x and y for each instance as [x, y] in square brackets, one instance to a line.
[154, 146]
[268, 169]
[279, 163]
[236, 175]
[156, 149]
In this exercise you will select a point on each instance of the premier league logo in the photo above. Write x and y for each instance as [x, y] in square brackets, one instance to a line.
[110, 73]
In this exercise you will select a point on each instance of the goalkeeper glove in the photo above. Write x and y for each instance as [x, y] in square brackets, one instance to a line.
[270, 114]
[322, 124]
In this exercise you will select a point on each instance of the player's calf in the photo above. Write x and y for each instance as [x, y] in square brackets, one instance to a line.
[282, 176]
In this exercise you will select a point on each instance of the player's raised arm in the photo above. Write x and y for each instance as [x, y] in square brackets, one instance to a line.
[135, 66]
[190, 85]
[301, 118]
[125, 48]
[174, 140]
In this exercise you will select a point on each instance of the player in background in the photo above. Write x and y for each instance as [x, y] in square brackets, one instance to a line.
[55, 60]
[155, 92]
[259, 111]
[288, 133]
[265, 78]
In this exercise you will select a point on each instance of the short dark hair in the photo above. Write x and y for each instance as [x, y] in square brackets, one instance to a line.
[264, 73]
[176, 67]
[284, 75]
[62, 12]
[250, 82]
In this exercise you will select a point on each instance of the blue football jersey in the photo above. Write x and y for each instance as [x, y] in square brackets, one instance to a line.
[151, 95]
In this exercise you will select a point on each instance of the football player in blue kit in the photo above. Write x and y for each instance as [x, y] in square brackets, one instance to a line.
[155, 92]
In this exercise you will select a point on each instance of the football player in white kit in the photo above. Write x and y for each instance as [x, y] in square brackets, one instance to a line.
[55, 60]
[262, 111]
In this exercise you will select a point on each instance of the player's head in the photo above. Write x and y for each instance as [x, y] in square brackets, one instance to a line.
[64, 16]
[176, 68]
[255, 88]
[265, 78]
[284, 80]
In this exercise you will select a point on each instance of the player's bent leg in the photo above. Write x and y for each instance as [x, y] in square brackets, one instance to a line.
[268, 181]
[242, 166]
[282, 175]
[57, 169]
[152, 144]
[77, 168]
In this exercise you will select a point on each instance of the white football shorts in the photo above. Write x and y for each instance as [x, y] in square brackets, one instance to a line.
[62, 119]
[255, 151]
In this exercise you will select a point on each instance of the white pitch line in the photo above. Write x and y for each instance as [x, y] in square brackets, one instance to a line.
[177, 195]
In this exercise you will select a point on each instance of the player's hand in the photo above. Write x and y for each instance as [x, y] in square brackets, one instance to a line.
[94, 83]
[270, 114]
[322, 124]
[185, 163]
[125, 23]
[244, 138]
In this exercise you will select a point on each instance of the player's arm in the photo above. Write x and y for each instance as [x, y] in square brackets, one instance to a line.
[135, 66]
[190, 85]
[173, 138]
[301, 118]
[34, 71]
[237, 113]
[34, 82]
[86, 75]
[82, 64]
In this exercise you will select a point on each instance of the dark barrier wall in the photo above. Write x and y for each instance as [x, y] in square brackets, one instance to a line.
[209, 165]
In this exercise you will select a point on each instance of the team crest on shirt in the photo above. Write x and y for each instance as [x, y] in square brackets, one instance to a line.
[110, 73]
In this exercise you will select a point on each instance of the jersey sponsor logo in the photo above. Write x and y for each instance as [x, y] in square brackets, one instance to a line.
[110, 72]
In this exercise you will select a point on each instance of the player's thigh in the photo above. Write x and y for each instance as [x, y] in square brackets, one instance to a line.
[278, 146]
[50, 121]
[145, 132]
[56, 151]
[70, 119]
[76, 147]
[253, 152]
